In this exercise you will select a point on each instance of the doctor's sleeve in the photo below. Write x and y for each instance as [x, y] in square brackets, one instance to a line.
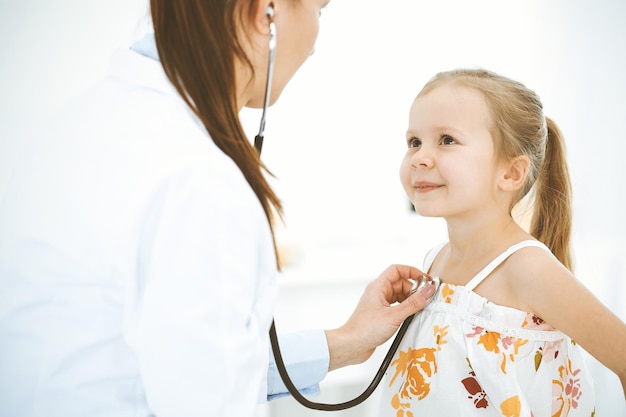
[306, 358]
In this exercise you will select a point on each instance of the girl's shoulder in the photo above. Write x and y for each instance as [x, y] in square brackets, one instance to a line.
[536, 277]
[532, 260]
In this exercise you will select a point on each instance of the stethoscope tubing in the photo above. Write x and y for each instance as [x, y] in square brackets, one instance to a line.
[282, 371]
[258, 140]
[280, 365]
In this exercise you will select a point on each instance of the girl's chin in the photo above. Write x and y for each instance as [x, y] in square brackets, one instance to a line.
[425, 210]
[427, 213]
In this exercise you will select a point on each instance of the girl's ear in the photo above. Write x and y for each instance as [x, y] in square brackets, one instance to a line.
[515, 173]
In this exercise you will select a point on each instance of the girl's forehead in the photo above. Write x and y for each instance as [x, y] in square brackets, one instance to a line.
[451, 101]
[451, 108]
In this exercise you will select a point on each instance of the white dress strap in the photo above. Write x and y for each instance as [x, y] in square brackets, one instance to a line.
[431, 255]
[478, 278]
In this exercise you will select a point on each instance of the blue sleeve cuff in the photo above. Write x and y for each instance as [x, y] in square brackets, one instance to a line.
[307, 392]
[306, 358]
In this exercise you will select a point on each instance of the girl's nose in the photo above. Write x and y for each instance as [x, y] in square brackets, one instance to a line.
[422, 158]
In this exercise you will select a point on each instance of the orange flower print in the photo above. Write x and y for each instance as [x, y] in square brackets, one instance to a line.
[515, 344]
[400, 407]
[446, 293]
[440, 334]
[419, 365]
[512, 407]
[490, 341]
[566, 390]
[508, 347]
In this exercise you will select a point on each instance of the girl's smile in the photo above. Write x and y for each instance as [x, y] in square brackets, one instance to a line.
[424, 187]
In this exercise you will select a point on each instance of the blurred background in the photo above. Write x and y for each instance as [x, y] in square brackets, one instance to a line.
[335, 139]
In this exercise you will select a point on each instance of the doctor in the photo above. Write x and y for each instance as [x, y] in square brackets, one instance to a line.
[137, 256]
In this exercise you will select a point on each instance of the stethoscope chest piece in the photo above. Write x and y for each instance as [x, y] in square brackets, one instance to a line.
[424, 280]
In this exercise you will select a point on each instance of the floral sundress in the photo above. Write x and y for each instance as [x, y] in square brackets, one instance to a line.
[466, 356]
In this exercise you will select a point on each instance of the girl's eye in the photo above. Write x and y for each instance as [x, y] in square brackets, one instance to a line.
[414, 142]
[447, 140]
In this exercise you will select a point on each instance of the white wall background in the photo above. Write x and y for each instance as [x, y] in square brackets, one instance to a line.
[335, 139]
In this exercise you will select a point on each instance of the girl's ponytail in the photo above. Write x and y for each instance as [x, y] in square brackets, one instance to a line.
[552, 212]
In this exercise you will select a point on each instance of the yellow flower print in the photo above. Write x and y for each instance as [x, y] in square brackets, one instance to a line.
[419, 366]
[508, 347]
[446, 293]
[516, 343]
[511, 407]
[400, 407]
[490, 341]
[440, 334]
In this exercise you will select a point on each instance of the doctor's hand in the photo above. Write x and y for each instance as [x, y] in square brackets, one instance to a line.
[384, 305]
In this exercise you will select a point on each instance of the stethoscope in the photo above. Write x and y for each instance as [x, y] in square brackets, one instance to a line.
[417, 285]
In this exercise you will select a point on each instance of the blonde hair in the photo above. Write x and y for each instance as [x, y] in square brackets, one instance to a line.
[521, 128]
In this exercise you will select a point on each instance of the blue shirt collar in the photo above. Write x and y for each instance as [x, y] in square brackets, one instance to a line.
[146, 46]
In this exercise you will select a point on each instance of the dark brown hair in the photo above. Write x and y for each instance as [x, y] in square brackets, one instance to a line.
[198, 47]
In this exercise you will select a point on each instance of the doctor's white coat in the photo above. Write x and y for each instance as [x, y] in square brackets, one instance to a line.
[137, 268]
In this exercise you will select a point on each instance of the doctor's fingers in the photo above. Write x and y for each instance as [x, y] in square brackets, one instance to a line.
[395, 282]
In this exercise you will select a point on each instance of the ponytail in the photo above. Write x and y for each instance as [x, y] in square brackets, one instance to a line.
[552, 210]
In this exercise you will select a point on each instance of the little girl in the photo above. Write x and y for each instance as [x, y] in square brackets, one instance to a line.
[503, 334]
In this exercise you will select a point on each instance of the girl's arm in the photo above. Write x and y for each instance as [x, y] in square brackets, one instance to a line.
[548, 289]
